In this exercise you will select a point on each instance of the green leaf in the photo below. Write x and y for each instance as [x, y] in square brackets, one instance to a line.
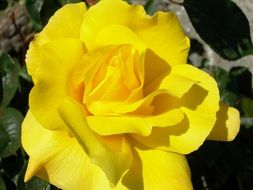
[222, 25]
[222, 78]
[2, 184]
[9, 184]
[9, 75]
[3, 5]
[241, 82]
[229, 98]
[149, 7]
[247, 107]
[24, 74]
[38, 184]
[10, 120]
[48, 9]
[3, 136]
[12, 166]
[33, 8]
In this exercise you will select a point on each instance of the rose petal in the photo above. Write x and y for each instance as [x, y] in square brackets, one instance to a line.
[227, 125]
[107, 13]
[171, 44]
[199, 105]
[110, 125]
[59, 58]
[66, 22]
[119, 34]
[57, 157]
[155, 169]
[112, 154]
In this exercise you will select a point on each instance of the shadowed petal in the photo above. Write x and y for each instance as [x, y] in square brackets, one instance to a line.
[111, 153]
[227, 125]
[155, 169]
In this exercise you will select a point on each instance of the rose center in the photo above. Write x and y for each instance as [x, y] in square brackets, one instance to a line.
[112, 77]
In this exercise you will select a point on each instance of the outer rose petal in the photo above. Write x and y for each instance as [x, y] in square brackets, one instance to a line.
[65, 23]
[107, 13]
[111, 153]
[227, 125]
[199, 104]
[155, 169]
[58, 58]
[33, 59]
[171, 44]
[57, 157]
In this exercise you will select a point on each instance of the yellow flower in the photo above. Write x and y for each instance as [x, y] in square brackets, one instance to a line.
[114, 104]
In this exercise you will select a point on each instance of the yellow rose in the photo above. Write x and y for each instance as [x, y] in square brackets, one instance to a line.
[114, 104]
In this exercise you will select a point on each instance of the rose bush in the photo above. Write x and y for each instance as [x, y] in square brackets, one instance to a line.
[114, 104]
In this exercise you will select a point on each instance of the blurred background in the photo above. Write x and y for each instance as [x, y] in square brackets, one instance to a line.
[220, 32]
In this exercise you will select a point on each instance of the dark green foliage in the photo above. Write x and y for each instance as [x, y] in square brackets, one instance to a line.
[9, 78]
[41, 10]
[3, 5]
[222, 25]
[149, 7]
[222, 166]
[240, 81]
[247, 107]
[10, 123]
[228, 165]
[48, 9]
[34, 7]
[38, 184]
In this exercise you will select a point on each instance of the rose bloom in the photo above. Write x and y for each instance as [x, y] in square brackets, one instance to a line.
[114, 104]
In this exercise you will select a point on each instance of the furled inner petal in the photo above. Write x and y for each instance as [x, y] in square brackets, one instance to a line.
[112, 74]
[113, 81]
